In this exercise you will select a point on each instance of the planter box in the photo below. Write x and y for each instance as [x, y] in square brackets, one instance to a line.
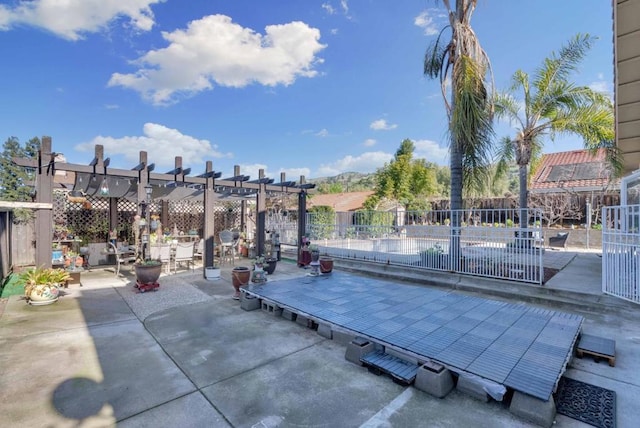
[211, 273]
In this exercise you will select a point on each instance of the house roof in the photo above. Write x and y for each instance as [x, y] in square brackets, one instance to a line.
[578, 170]
[350, 201]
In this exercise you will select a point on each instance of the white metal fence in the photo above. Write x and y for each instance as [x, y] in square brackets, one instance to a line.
[488, 243]
[621, 252]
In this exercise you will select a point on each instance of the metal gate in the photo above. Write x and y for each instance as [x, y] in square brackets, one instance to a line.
[621, 252]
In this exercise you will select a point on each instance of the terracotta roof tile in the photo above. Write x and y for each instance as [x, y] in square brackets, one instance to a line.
[578, 170]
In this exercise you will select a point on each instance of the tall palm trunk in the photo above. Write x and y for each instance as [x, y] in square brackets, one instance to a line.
[464, 63]
[523, 176]
[523, 158]
[456, 204]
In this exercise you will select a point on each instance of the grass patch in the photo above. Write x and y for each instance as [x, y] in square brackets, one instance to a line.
[12, 286]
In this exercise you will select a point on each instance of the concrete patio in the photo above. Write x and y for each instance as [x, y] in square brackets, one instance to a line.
[187, 355]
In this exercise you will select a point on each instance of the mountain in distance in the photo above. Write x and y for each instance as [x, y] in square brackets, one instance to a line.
[344, 182]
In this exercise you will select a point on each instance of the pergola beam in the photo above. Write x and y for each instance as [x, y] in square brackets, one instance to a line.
[238, 184]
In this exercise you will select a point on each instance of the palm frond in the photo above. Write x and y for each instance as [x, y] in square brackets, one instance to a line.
[435, 56]
[471, 124]
[507, 107]
[560, 66]
[504, 157]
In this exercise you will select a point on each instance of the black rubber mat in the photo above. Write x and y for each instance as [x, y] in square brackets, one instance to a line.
[586, 403]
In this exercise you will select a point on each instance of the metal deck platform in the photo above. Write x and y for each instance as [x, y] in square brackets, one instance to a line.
[520, 346]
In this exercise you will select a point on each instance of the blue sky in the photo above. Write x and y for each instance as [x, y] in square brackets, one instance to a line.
[309, 87]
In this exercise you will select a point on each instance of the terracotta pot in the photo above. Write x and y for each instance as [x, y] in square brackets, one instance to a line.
[240, 276]
[148, 274]
[270, 266]
[326, 264]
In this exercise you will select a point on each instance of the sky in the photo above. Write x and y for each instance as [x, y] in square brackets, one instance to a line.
[312, 88]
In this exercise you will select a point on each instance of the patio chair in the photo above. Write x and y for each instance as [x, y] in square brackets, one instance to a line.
[122, 255]
[183, 254]
[198, 252]
[227, 246]
[162, 252]
[559, 241]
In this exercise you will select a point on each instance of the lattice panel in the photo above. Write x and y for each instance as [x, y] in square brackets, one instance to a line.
[184, 216]
[90, 221]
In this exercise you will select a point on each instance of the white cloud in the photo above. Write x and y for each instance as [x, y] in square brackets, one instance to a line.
[344, 4]
[602, 86]
[111, 106]
[252, 170]
[429, 21]
[70, 19]
[331, 10]
[216, 50]
[328, 8]
[382, 125]
[322, 133]
[157, 141]
[431, 151]
[369, 142]
[366, 163]
[333, 31]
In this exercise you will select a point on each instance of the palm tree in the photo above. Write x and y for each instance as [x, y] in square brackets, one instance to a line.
[462, 62]
[552, 105]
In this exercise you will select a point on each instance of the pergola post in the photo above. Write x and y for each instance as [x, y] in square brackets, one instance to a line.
[164, 214]
[209, 218]
[142, 201]
[302, 213]
[44, 194]
[261, 213]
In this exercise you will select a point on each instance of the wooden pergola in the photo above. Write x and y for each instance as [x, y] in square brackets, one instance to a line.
[207, 183]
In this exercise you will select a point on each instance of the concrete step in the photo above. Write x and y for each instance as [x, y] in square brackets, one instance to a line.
[401, 371]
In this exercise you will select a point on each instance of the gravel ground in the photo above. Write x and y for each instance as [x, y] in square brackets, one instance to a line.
[175, 290]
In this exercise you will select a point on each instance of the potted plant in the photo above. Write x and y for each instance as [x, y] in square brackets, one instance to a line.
[269, 266]
[258, 274]
[242, 244]
[57, 257]
[148, 271]
[212, 273]
[154, 223]
[326, 264]
[41, 285]
[240, 276]
[315, 252]
[258, 262]
[60, 232]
